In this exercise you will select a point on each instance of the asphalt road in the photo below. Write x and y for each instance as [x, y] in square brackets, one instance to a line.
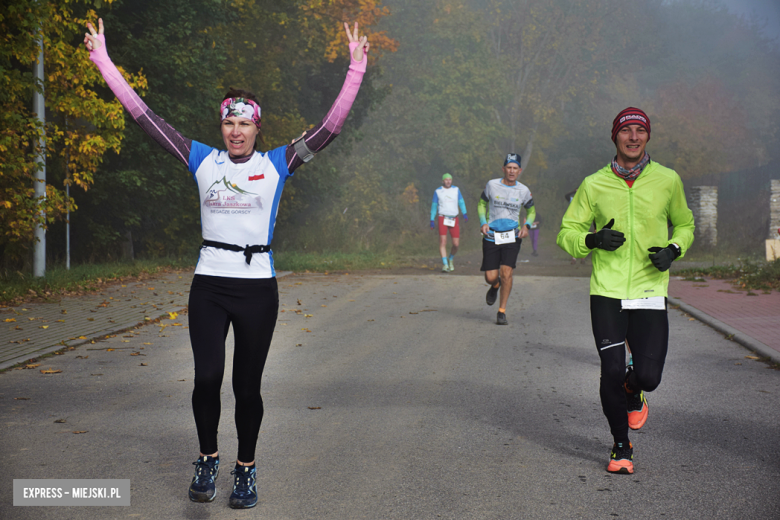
[399, 398]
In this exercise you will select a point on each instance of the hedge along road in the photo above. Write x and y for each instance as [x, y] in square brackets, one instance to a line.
[394, 396]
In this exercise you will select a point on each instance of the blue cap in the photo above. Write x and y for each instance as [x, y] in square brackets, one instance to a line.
[512, 157]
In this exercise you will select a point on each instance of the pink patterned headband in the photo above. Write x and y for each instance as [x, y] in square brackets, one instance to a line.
[240, 107]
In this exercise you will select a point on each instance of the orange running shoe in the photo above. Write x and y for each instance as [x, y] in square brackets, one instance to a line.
[637, 409]
[621, 460]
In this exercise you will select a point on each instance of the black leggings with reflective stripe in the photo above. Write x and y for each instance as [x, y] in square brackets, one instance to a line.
[647, 333]
[251, 306]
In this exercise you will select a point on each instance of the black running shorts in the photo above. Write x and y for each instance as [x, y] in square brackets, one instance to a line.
[494, 256]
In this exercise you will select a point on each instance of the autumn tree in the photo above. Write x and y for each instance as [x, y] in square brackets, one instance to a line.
[80, 127]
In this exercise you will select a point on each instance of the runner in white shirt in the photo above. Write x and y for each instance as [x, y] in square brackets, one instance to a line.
[447, 202]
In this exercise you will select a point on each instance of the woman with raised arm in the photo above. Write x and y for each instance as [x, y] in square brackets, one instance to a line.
[234, 280]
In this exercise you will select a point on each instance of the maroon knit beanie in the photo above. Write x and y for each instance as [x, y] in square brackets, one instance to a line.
[630, 116]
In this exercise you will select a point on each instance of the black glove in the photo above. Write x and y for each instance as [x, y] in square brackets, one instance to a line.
[605, 238]
[662, 257]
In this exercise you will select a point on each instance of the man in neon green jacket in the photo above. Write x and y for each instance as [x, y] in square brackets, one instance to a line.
[631, 201]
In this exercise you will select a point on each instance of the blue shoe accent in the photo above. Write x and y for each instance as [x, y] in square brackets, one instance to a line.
[203, 488]
[244, 493]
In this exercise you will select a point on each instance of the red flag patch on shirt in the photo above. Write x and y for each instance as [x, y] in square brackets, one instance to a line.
[256, 177]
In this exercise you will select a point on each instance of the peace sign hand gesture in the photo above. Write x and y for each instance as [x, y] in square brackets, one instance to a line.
[362, 42]
[94, 40]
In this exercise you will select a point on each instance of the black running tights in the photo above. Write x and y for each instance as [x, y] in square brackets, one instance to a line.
[251, 305]
[647, 333]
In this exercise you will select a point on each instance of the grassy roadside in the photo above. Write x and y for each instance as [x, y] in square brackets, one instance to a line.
[335, 261]
[16, 287]
[751, 275]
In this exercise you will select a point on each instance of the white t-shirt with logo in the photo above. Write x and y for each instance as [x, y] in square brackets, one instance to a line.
[238, 205]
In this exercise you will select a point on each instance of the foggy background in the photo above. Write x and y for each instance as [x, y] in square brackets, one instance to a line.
[452, 87]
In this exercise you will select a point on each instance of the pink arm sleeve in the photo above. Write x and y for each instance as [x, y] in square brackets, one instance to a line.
[340, 109]
[322, 134]
[163, 133]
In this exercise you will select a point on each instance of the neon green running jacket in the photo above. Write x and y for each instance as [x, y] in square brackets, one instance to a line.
[641, 213]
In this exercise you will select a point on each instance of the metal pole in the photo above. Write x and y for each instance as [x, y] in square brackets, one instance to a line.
[39, 107]
[67, 202]
[67, 227]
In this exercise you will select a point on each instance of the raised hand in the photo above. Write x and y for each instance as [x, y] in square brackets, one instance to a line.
[91, 38]
[362, 41]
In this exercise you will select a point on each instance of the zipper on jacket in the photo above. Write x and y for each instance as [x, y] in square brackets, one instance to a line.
[631, 242]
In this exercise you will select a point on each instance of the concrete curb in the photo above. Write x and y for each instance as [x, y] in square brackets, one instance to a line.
[735, 335]
[50, 349]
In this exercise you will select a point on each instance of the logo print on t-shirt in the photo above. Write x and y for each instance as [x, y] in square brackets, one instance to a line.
[230, 197]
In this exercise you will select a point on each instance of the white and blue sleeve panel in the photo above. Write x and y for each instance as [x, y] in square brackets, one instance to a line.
[238, 205]
[447, 202]
[504, 204]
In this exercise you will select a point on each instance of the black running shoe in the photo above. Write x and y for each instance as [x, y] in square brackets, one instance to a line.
[202, 488]
[492, 294]
[501, 319]
[244, 493]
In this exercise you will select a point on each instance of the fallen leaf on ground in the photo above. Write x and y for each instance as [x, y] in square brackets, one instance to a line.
[82, 357]
[173, 315]
[43, 327]
[21, 398]
[315, 408]
[60, 321]
[10, 320]
[147, 343]
[752, 357]
[109, 350]
[32, 366]
[142, 365]
[60, 421]
[308, 315]
[80, 431]
[323, 305]
[82, 337]
[50, 371]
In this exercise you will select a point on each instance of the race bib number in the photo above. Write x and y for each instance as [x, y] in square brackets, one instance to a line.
[654, 303]
[449, 221]
[508, 237]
